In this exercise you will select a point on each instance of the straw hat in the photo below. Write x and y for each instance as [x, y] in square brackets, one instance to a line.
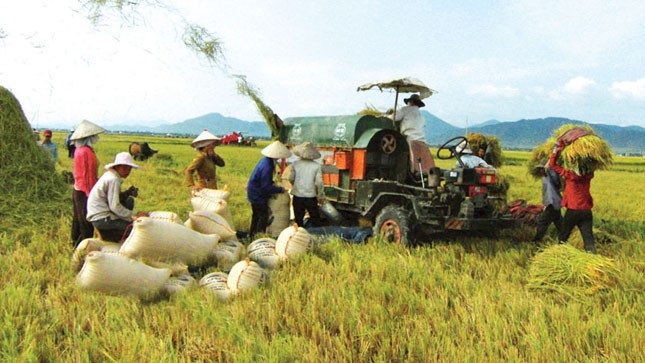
[205, 139]
[463, 148]
[123, 158]
[86, 129]
[276, 150]
[306, 150]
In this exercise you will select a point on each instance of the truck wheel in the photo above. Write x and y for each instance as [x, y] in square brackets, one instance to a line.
[394, 224]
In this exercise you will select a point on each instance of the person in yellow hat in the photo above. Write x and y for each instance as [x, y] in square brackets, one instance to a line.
[205, 164]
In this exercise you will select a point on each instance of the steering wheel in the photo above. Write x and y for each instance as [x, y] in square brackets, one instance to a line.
[450, 146]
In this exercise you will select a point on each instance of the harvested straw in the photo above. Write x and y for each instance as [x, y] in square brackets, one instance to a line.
[30, 191]
[490, 145]
[589, 152]
[566, 269]
[273, 120]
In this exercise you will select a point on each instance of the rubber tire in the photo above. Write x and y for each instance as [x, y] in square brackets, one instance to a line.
[395, 223]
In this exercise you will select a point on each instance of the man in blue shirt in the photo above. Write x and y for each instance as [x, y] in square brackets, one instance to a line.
[260, 186]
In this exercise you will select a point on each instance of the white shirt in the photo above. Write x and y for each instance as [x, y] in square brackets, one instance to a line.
[473, 161]
[412, 123]
[306, 177]
[104, 201]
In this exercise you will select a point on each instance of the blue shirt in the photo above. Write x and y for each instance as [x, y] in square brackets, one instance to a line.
[52, 149]
[260, 186]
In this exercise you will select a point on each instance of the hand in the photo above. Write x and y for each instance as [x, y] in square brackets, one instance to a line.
[560, 144]
[142, 214]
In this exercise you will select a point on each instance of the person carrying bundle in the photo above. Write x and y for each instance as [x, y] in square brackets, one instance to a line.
[576, 198]
[104, 207]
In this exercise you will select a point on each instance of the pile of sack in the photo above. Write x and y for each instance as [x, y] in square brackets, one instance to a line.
[158, 255]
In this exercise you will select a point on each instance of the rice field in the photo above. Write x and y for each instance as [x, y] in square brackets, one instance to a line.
[451, 299]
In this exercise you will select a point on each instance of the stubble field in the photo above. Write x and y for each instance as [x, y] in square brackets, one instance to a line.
[457, 299]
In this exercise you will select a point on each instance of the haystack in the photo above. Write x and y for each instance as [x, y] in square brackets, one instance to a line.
[32, 190]
[586, 152]
[569, 270]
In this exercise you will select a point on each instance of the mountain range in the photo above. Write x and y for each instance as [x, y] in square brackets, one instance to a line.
[522, 134]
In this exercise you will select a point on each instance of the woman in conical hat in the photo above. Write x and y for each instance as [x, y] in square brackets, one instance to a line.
[84, 137]
[206, 162]
[260, 186]
[307, 181]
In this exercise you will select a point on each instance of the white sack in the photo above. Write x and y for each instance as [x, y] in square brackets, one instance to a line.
[165, 216]
[293, 242]
[89, 245]
[228, 253]
[263, 252]
[246, 275]
[116, 274]
[217, 283]
[215, 205]
[278, 213]
[210, 223]
[153, 240]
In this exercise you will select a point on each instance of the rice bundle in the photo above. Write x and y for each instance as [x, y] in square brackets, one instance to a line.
[116, 274]
[223, 193]
[154, 240]
[90, 245]
[214, 205]
[584, 150]
[489, 144]
[564, 268]
[165, 216]
[273, 121]
[263, 252]
[210, 223]
[246, 275]
[293, 242]
[217, 283]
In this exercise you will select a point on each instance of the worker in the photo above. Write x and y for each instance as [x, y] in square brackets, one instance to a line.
[307, 190]
[85, 175]
[205, 163]
[261, 187]
[104, 208]
[412, 122]
[577, 199]
[551, 200]
[465, 154]
[49, 145]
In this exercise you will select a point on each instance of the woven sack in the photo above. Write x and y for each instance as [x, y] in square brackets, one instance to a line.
[90, 245]
[223, 193]
[292, 242]
[116, 274]
[217, 283]
[165, 216]
[178, 284]
[278, 213]
[263, 252]
[215, 205]
[228, 253]
[210, 223]
[246, 275]
[154, 240]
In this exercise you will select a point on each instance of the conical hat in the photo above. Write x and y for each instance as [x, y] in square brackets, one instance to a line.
[205, 139]
[276, 150]
[306, 150]
[86, 129]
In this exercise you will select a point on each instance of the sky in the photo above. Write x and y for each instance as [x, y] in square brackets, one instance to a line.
[502, 60]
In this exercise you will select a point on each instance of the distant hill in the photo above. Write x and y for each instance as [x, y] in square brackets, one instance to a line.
[526, 134]
[521, 134]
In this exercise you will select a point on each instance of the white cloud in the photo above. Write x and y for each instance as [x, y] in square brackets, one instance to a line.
[635, 89]
[490, 90]
[578, 85]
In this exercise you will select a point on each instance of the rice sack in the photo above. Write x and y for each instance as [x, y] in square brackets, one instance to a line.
[210, 223]
[154, 240]
[263, 252]
[292, 242]
[117, 274]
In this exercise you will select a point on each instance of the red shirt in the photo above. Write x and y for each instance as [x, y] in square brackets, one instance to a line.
[576, 194]
[85, 169]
